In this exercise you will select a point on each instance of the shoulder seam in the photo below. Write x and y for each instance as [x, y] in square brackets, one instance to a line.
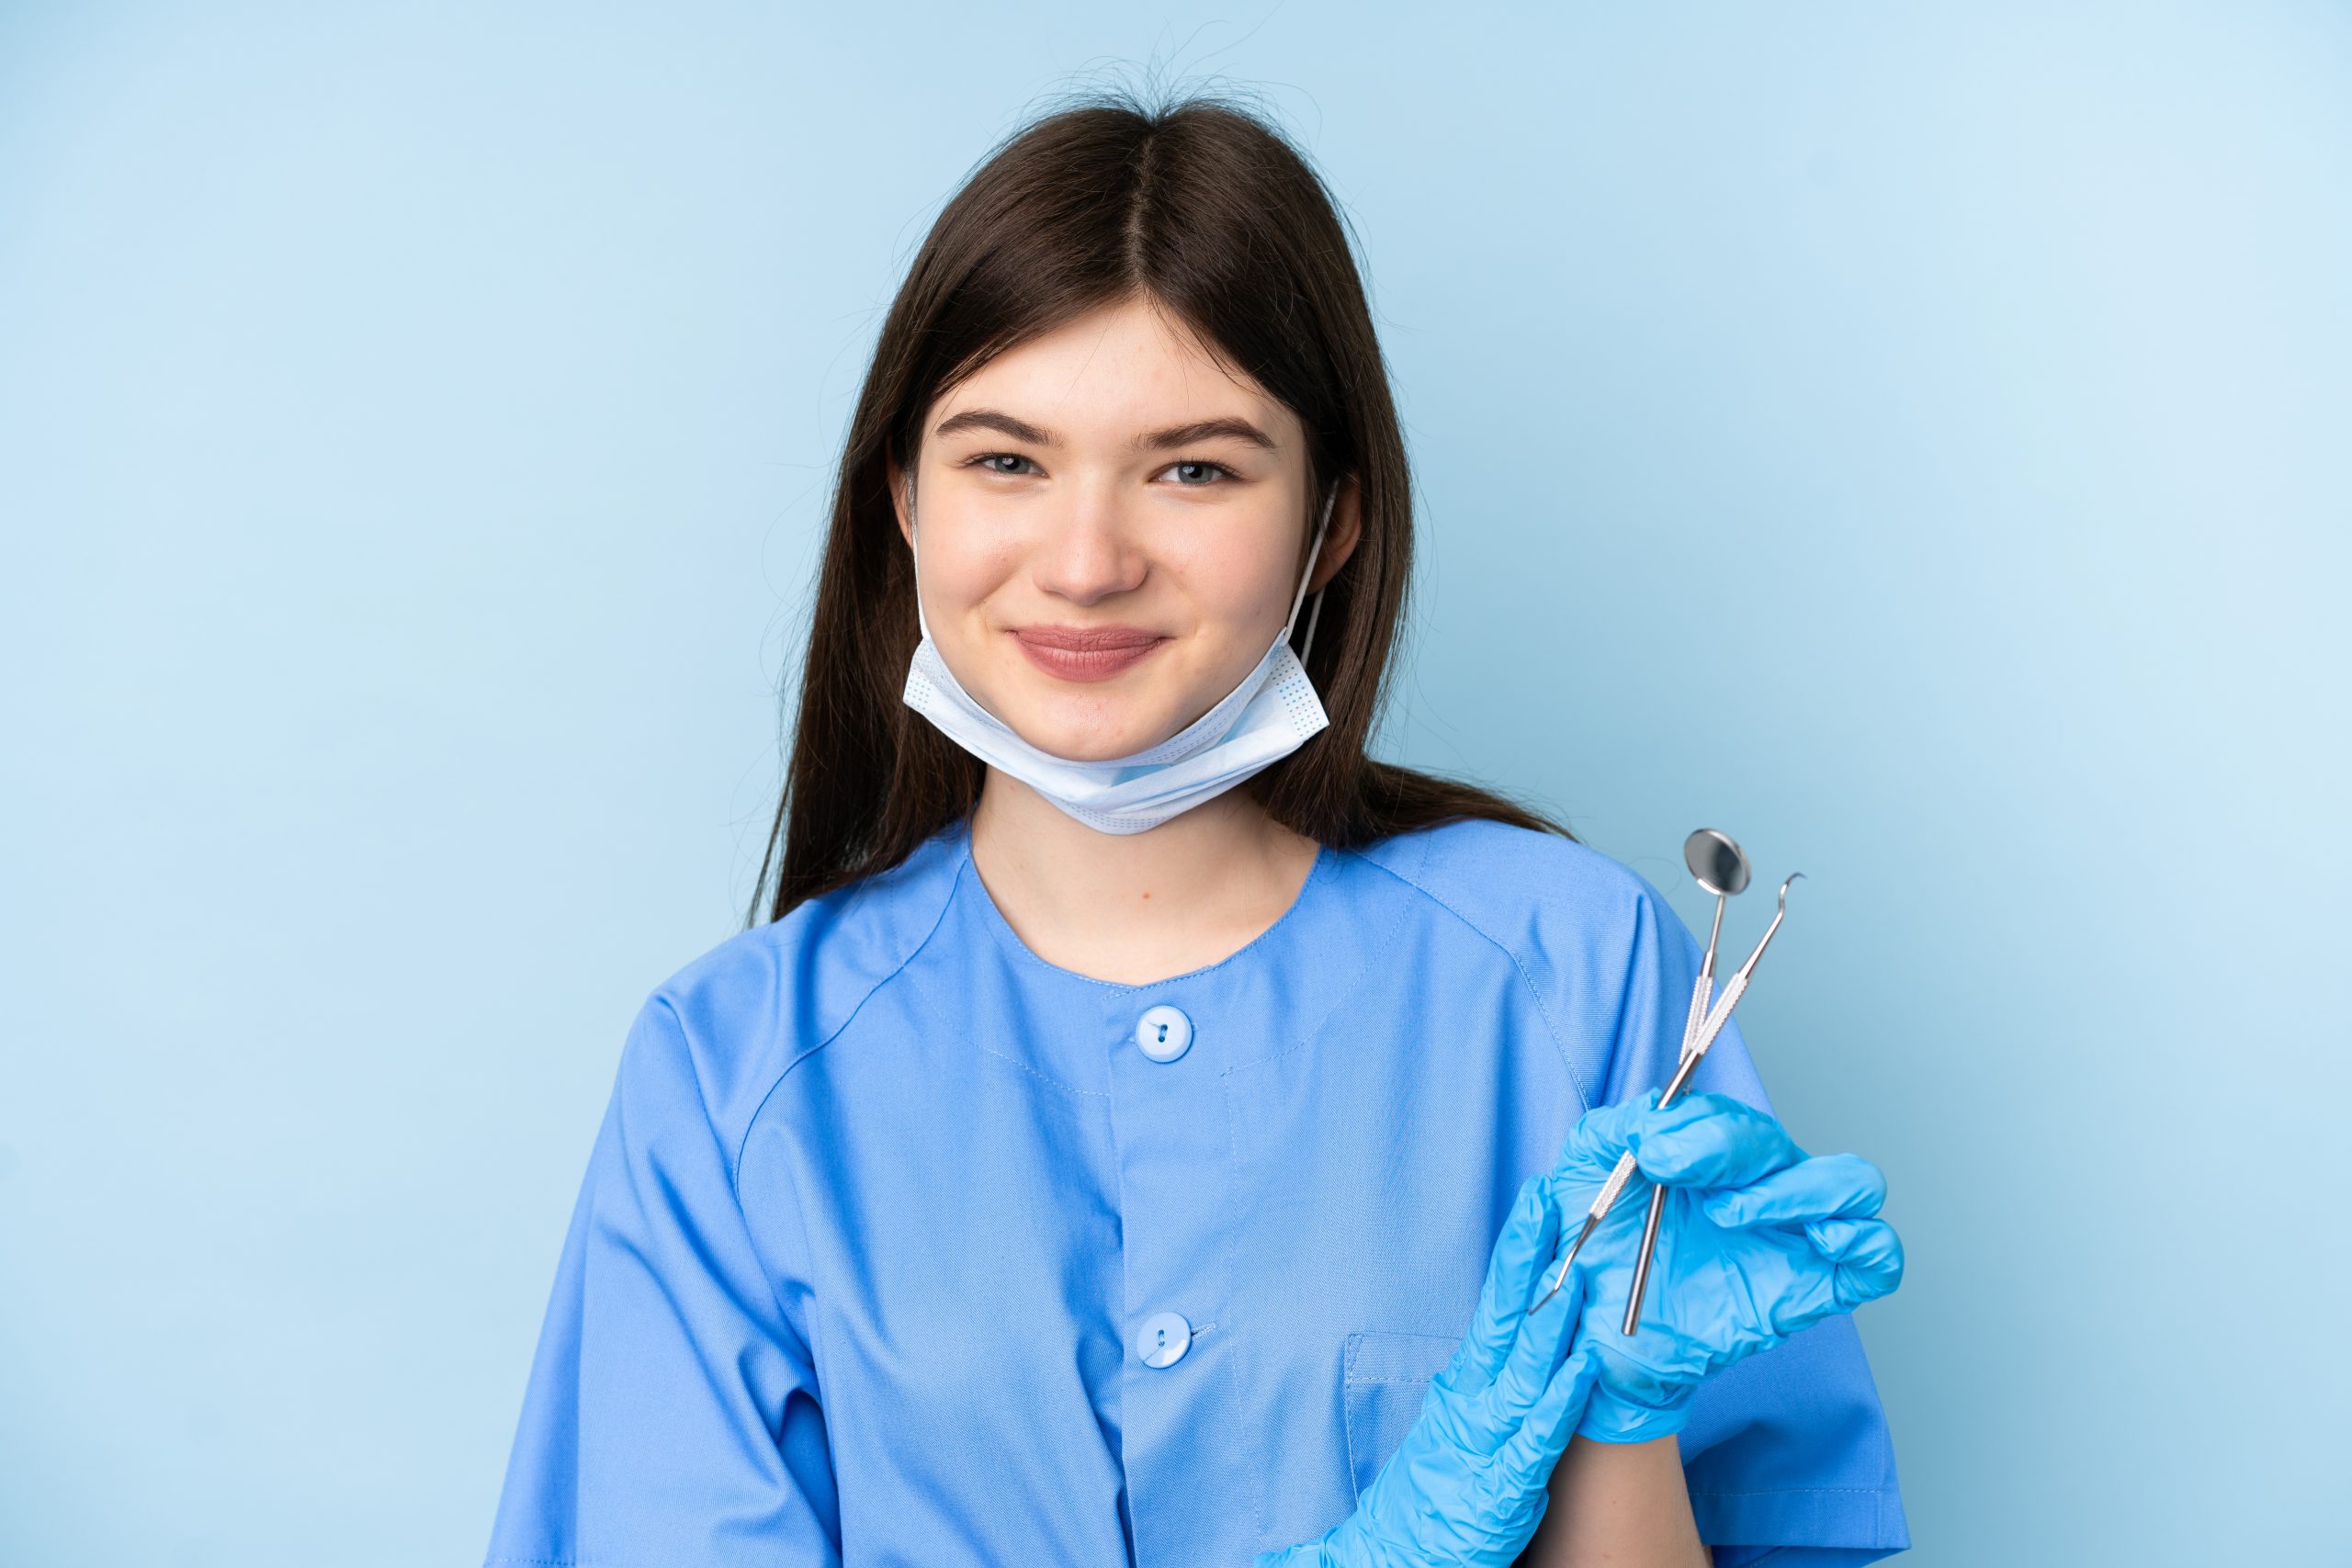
[767, 1097]
[1542, 1008]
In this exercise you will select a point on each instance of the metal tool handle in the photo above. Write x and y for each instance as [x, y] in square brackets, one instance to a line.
[1642, 1263]
[1706, 1030]
[1700, 995]
[1717, 1016]
[1614, 1187]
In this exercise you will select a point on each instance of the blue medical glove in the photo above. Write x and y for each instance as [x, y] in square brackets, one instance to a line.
[1468, 1484]
[1757, 1242]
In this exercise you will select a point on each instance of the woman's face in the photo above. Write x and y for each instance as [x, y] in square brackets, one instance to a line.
[1113, 526]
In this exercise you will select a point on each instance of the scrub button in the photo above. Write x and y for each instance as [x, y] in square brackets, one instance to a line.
[1163, 1339]
[1165, 1034]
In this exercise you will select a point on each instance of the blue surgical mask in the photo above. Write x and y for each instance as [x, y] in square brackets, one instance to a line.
[1263, 719]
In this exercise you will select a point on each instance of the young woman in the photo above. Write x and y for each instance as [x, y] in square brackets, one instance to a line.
[1144, 1126]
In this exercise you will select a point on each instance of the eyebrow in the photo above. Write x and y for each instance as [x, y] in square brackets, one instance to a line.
[1157, 441]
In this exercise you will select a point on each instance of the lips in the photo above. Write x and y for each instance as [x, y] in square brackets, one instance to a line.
[1086, 653]
[1087, 639]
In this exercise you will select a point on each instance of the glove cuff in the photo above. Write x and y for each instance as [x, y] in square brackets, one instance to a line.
[1610, 1417]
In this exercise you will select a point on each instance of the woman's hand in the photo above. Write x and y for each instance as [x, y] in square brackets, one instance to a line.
[1469, 1484]
[1757, 1242]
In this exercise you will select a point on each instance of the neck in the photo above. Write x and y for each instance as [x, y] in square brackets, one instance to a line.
[1136, 908]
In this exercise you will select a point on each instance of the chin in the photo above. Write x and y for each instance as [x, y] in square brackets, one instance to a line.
[1092, 729]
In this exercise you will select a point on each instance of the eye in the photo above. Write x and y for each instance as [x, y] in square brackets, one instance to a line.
[1194, 472]
[1007, 463]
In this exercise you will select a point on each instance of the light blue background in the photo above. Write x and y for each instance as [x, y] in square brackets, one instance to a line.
[1910, 438]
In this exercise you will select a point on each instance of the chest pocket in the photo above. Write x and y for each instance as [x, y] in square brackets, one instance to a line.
[1386, 1377]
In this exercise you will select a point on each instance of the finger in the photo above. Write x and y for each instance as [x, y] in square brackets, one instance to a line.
[1601, 1134]
[1843, 1264]
[1544, 1436]
[1544, 1337]
[1827, 1187]
[1528, 1238]
[1867, 1254]
[1712, 1140]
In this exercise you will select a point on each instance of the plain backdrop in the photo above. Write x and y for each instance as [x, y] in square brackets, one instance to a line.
[1909, 438]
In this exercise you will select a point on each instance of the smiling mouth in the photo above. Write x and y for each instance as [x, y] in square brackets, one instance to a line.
[1075, 653]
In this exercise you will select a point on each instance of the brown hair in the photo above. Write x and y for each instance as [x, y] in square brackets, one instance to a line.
[1206, 209]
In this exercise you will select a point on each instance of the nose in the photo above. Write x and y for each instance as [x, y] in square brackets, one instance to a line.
[1088, 551]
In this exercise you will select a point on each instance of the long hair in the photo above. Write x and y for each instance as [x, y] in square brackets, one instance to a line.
[1207, 210]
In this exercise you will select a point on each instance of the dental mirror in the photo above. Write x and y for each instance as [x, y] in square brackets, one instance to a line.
[1719, 866]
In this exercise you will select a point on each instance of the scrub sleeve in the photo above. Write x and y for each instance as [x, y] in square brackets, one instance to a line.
[671, 1415]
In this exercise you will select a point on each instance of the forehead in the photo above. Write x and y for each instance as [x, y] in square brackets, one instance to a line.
[1115, 372]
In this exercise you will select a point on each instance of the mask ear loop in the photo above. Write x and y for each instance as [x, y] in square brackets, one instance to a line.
[1317, 614]
[914, 548]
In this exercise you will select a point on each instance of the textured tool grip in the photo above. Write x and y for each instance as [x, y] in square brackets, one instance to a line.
[1698, 1010]
[1614, 1187]
[1720, 1016]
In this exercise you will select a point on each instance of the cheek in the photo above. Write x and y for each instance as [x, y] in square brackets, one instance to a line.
[962, 570]
[1233, 578]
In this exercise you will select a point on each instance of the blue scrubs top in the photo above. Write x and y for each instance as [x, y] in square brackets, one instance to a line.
[900, 1245]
